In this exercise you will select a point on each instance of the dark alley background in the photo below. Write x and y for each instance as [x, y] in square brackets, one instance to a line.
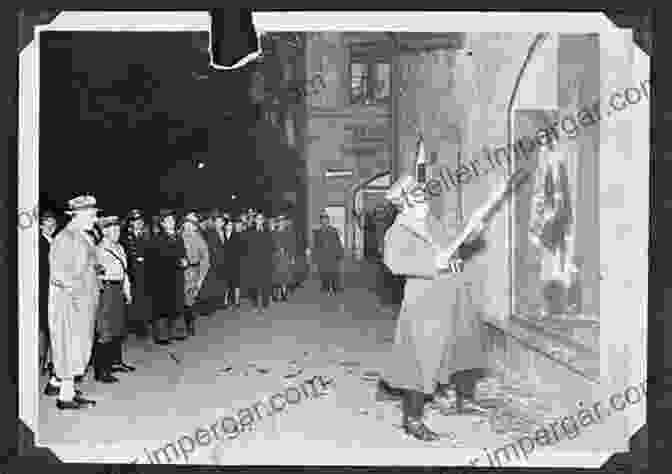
[127, 117]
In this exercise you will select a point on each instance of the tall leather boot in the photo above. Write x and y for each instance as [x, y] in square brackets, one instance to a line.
[465, 392]
[413, 404]
[189, 319]
[159, 336]
[388, 393]
[102, 363]
[118, 364]
[174, 334]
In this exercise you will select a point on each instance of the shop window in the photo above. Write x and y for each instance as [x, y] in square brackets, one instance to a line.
[556, 239]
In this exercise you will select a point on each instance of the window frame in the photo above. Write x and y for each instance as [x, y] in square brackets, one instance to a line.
[370, 58]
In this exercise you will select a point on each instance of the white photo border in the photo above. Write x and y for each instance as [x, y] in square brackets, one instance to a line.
[199, 21]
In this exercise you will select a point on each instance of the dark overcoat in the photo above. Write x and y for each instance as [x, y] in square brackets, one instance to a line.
[328, 249]
[284, 252]
[44, 283]
[257, 261]
[214, 285]
[138, 251]
[167, 275]
[233, 250]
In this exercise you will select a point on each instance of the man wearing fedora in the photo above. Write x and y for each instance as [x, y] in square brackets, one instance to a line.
[73, 298]
[167, 278]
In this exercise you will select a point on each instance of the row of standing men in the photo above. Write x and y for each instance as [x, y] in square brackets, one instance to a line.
[99, 283]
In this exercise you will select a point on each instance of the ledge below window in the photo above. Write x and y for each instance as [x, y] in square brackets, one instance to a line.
[555, 339]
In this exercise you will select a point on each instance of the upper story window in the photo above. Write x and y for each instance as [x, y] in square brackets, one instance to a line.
[369, 77]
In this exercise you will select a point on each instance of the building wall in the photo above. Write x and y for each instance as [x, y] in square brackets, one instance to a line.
[339, 135]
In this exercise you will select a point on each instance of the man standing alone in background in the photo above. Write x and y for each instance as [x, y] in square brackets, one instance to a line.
[328, 254]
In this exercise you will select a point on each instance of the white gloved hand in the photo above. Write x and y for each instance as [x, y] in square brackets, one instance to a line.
[442, 259]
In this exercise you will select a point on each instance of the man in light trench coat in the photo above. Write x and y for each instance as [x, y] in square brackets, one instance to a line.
[73, 299]
[438, 333]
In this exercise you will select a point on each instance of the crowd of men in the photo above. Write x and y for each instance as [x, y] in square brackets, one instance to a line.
[102, 278]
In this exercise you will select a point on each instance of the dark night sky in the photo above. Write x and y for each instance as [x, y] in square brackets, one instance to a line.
[121, 117]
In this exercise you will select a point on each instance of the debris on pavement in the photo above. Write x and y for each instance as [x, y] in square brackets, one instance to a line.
[293, 370]
[370, 376]
[174, 357]
[228, 367]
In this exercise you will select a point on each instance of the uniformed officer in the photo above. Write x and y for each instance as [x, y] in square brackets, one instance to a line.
[111, 314]
[73, 298]
[137, 243]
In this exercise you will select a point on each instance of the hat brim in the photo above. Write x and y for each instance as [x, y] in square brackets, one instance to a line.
[196, 222]
[82, 210]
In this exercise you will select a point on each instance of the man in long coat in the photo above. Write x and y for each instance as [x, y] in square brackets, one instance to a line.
[257, 264]
[213, 292]
[47, 228]
[281, 260]
[299, 264]
[438, 333]
[286, 240]
[198, 258]
[233, 249]
[328, 254]
[168, 262]
[136, 241]
[73, 298]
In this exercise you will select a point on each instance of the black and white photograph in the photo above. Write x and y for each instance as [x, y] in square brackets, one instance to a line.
[333, 238]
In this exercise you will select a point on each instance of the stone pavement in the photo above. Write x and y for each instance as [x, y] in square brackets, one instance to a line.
[239, 358]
